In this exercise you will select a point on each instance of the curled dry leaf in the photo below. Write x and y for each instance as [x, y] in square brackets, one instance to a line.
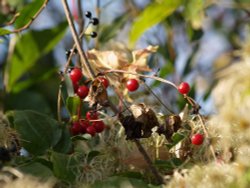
[172, 125]
[140, 123]
[97, 94]
[102, 61]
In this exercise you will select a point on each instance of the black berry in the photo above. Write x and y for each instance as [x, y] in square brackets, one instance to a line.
[94, 21]
[88, 14]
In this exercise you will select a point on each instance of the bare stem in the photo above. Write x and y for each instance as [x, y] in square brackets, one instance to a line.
[143, 76]
[84, 59]
[59, 95]
[207, 135]
[158, 177]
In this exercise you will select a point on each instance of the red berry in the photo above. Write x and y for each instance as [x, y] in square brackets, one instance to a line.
[104, 81]
[75, 75]
[91, 115]
[91, 130]
[132, 84]
[197, 139]
[84, 125]
[82, 91]
[76, 128]
[99, 126]
[184, 88]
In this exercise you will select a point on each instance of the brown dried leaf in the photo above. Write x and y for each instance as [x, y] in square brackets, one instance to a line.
[97, 94]
[102, 61]
[146, 116]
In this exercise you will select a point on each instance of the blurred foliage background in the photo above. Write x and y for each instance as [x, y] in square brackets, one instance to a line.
[198, 41]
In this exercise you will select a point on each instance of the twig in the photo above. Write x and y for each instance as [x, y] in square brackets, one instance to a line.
[158, 177]
[84, 59]
[59, 96]
[206, 134]
[160, 101]
[143, 76]
[32, 19]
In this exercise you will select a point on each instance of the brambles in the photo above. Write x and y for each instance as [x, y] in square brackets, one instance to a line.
[184, 88]
[197, 139]
[132, 85]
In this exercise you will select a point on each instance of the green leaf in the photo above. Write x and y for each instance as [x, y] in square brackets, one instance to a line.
[35, 102]
[28, 12]
[194, 12]
[176, 138]
[36, 169]
[4, 32]
[153, 14]
[29, 48]
[64, 144]
[69, 85]
[73, 104]
[64, 166]
[38, 132]
[110, 31]
[168, 164]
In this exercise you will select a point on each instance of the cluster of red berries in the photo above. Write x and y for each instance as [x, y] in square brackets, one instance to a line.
[90, 125]
[80, 89]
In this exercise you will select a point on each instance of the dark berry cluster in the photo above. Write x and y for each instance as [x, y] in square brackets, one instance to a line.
[90, 125]
[93, 21]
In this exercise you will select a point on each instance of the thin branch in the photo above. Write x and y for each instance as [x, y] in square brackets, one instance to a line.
[207, 135]
[143, 76]
[160, 101]
[158, 177]
[84, 59]
[59, 96]
[32, 19]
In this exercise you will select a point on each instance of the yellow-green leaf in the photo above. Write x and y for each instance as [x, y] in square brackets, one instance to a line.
[153, 14]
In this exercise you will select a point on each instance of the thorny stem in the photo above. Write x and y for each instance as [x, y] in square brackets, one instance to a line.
[143, 76]
[158, 177]
[84, 59]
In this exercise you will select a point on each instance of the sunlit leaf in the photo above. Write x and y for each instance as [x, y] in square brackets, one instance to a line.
[72, 104]
[153, 14]
[4, 32]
